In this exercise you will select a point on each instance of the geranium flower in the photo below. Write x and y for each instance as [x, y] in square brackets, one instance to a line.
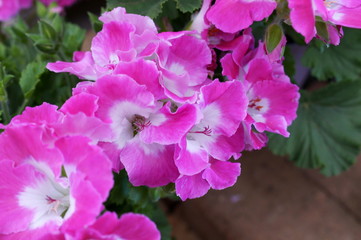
[47, 187]
[144, 130]
[304, 17]
[218, 175]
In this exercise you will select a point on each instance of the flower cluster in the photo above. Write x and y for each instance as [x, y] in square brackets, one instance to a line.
[168, 121]
[54, 179]
[151, 106]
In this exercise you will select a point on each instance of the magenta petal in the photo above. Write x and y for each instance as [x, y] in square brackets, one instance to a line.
[112, 44]
[130, 226]
[151, 165]
[167, 127]
[83, 102]
[191, 186]
[303, 18]
[191, 158]
[222, 111]
[88, 159]
[221, 175]
[144, 73]
[241, 16]
[84, 66]
[25, 143]
[12, 181]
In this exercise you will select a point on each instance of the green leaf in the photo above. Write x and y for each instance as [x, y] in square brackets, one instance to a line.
[97, 25]
[274, 36]
[341, 62]
[327, 131]
[31, 76]
[151, 8]
[188, 5]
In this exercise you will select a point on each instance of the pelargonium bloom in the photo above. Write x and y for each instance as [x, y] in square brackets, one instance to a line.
[222, 114]
[144, 130]
[344, 13]
[273, 100]
[218, 175]
[49, 187]
[235, 15]
[183, 61]
[124, 38]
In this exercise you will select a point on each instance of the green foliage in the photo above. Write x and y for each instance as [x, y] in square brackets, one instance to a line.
[157, 8]
[126, 198]
[31, 46]
[327, 132]
[274, 36]
[188, 5]
[151, 8]
[30, 77]
[341, 62]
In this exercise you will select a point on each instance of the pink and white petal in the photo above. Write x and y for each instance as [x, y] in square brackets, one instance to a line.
[116, 99]
[109, 45]
[130, 226]
[190, 157]
[273, 103]
[12, 182]
[85, 204]
[191, 186]
[242, 15]
[223, 148]
[83, 102]
[303, 18]
[141, 23]
[221, 175]
[81, 157]
[24, 144]
[222, 111]
[253, 140]
[144, 73]
[80, 124]
[168, 127]
[182, 59]
[348, 17]
[83, 66]
[151, 165]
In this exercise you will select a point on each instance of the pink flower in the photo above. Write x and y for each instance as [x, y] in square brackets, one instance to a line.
[234, 15]
[183, 61]
[48, 187]
[222, 114]
[273, 100]
[344, 13]
[124, 38]
[218, 175]
[130, 226]
[144, 130]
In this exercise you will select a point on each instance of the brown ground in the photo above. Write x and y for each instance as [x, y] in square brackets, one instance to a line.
[274, 200]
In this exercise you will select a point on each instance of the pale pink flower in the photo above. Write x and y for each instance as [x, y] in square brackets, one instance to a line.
[9, 8]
